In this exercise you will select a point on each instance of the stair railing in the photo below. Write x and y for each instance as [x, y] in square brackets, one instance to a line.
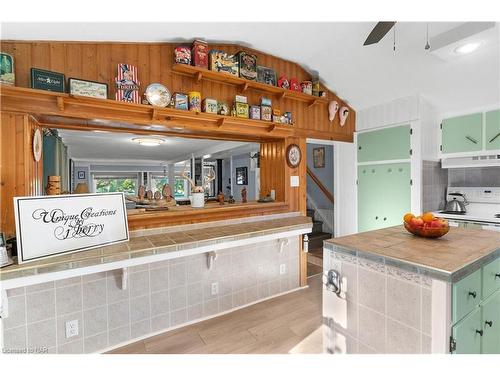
[322, 187]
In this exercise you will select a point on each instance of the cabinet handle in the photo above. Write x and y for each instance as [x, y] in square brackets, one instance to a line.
[385, 218]
[359, 148]
[471, 139]
[495, 137]
[497, 275]
[376, 217]
[480, 331]
[473, 294]
[489, 322]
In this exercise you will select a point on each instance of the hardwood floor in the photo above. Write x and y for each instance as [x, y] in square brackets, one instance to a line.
[286, 324]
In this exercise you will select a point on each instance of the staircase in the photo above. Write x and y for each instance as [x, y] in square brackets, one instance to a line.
[316, 238]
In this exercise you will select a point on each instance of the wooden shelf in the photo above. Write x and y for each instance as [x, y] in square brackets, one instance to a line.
[46, 103]
[243, 84]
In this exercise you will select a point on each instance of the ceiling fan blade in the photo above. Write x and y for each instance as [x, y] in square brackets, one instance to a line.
[378, 32]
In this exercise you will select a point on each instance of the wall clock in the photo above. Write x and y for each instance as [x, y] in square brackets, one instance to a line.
[37, 145]
[293, 156]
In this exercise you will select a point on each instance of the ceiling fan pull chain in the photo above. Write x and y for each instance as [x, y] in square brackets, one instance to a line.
[427, 45]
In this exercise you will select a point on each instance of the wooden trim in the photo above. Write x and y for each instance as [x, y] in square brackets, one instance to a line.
[320, 185]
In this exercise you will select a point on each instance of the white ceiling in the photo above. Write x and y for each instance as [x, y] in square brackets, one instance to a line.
[364, 76]
[119, 148]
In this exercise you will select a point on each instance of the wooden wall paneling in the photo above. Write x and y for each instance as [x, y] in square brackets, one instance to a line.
[58, 57]
[74, 61]
[88, 65]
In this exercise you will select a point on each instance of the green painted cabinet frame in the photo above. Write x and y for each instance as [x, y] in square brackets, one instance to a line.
[384, 144]
[492, 130]
[462, 134]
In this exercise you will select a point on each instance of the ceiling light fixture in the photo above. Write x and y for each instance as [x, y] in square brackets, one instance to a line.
[150, 141]
[467, 48]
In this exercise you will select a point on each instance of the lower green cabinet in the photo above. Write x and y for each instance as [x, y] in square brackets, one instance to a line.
[467, 334]
[491, 324]
[466, 295]
[491, 277]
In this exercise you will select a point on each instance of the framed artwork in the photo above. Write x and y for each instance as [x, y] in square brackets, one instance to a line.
[81, 175]
[319, 157]
[241, 176]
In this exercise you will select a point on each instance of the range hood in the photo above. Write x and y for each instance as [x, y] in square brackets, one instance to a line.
[472, 161]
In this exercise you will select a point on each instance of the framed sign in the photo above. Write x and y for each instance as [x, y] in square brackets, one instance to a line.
[53, 225]
[47, 80]
[241, 176]
[319, 157]
[88, 88]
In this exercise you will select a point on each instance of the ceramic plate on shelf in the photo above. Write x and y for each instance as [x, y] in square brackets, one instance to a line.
[157, 95]
[37, 145]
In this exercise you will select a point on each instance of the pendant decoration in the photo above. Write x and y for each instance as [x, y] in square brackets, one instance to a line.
[344, 112]
[333, 108]
[127, 84]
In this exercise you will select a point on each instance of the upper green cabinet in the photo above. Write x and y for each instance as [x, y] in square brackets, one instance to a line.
[492, 130]
[462, 134]
[385, 144]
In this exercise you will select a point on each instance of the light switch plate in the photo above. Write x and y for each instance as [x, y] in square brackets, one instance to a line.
[294, 181]
[282, 269]
[215, 289]
[71, 328]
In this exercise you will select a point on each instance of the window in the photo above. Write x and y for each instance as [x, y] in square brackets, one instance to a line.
[127, 184]
[157, 182]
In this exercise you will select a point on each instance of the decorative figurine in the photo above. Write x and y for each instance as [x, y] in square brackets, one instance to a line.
[141, 193]
[182, 55]
[159, 201]
[166, 193]
[288, 118]
[127, 84]
[199, 53]
[157, 195]
[194, 101]
[7, 74]
[231, 200]
[344, 112]
[283, 82]
[244, 195]
[220, 198]
[222, 109]
[295, 85]
[149, 194]
[333, 108]
[247, 65]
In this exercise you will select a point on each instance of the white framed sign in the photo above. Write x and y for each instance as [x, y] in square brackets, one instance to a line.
[60, 224]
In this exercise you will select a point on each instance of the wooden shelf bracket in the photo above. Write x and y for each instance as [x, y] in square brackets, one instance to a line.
[221, 122]
[60, 103]
[312, 102]
[199, 76]
[271, 128]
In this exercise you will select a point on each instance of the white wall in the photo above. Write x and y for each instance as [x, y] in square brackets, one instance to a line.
[346, 208]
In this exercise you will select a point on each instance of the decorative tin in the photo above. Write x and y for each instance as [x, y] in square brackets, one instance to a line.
[306, 87]
[157, 95]
[248, 65]
[266, 101]
[7, 72]
[240, 99]
[266, 113]
[241, 110]
[283, 82]
[199, 53]
[315, 87]
[88, 88]
[194, 101]
[182, 55]
[180, 100]
[295, 85]
[266, 75]
[127, 84]
[220, 61]
[222, 109]
[277, 119]
[209, 106]
[288, 118]
[254, 112]
[47, 80]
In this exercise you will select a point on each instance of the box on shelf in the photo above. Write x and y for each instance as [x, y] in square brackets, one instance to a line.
[306, 87]
[254, 112]
[240, 99]
[266, 101]
[241, 110]
[266, 112]
[209, 106]
[180, 100]
[266, 75]
[194, 101]
[287, 118]
[220, 61]
[182, 55]
[315, 87]
[199, 53]
[248, 65]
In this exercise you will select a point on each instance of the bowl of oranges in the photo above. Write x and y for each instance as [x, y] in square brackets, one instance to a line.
[426, 225]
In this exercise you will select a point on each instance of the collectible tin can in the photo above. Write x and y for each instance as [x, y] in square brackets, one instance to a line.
[306, 87]
[255, 112]
[283, 82]
[222, 109]
[277, 119]
[199, 53]
[209, 105]
[220, 61]
[240, 99]
[315, 87]
[180, 100]
[288, 118]
[7, 72]
[241, 110]
[276, 112]
[194, 101]
[266, 101]
[266, 75]
[182, 55]
[248, 65]
[127, 84]
[266, 112]
[295, 85]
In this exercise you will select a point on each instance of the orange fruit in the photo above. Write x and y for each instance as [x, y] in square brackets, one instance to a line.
[427, 217]
[407, 218]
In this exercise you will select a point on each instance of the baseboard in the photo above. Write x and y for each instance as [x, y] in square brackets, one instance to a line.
[135, 339]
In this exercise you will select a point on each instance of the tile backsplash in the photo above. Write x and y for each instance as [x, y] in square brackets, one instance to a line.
[434, 184]
[465, 177]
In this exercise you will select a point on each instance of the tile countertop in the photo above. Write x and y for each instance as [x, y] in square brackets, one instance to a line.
[156, 247]
[450, 258]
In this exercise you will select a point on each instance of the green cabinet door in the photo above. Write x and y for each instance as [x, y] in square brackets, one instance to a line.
[467, 334]
[466, 295]
[491, 324]
[385, 144]
[367, 204]
[491, 277]
[492, 131]
[462, 134]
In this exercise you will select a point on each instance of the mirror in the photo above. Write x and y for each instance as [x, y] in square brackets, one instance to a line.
[101, 161]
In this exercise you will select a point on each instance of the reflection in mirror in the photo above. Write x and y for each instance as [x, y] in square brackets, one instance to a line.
[142, 165]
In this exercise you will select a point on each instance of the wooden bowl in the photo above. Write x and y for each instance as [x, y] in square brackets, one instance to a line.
[427, 232]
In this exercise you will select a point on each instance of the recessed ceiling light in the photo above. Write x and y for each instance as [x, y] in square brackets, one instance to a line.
[100, 131]
[149, 141]
[467, 48]
[207, 156]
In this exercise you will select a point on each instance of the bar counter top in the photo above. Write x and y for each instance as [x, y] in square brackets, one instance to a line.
[159, 244]
[451, 257]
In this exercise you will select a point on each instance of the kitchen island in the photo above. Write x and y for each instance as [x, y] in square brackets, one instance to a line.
[387, 291]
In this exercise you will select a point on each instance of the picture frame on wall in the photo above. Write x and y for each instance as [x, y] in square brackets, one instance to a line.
[241, 176]
[81, 175]
[89, 89]
[319, 157]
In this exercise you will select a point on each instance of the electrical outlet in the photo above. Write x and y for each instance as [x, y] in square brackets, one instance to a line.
[215, 289]
[71, 328]
[282, 269]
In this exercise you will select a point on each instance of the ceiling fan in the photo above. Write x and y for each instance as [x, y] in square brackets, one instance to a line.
[378, 32]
